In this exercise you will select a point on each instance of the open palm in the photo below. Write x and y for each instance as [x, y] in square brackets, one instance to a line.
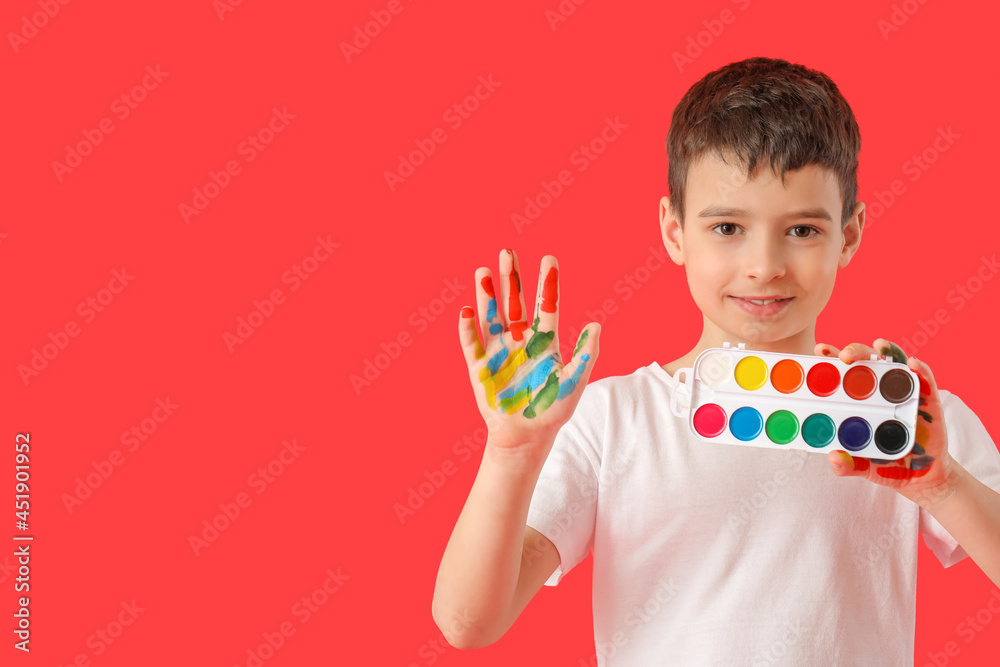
[524, 391]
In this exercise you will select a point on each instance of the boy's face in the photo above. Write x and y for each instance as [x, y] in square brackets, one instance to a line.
[760, 239]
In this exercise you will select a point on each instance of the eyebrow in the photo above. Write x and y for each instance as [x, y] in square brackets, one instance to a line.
[723, 212]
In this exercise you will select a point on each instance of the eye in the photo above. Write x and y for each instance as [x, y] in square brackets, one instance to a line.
[723, 226]
[808, 229]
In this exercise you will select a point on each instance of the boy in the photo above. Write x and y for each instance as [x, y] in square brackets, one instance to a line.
[713, 554]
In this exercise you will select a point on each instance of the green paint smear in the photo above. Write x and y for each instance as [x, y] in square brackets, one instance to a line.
[539, 342]
[544, 398]
[926, 415]
[516, 398]
[534, 325]
[892, 350]
[583, 339]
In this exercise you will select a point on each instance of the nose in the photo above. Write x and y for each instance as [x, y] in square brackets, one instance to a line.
[764, 259]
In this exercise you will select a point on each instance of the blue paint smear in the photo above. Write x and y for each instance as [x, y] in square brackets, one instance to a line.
[534, 379]
[491, 314]
[567, 386]
[494, 363]
[920, 462]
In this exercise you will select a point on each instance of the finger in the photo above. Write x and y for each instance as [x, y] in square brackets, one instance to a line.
[489, 317]
[890, 350]
[577, 371]
[845, 465]
[542, 335]
[547, 296]
[511, 296]
[824, 350]
[856, 352]
[472, 346]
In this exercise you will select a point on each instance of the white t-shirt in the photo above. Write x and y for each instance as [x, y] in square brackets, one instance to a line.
[712, 554]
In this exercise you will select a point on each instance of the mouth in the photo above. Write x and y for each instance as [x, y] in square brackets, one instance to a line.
[763, 305]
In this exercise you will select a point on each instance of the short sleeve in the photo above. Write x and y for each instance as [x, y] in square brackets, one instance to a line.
[563, 505]
[971, 445]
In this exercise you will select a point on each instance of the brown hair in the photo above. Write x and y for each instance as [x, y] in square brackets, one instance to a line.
[765, 110]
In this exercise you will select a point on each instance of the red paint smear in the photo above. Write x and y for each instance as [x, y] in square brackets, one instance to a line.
[467, 312]
[514, 298]
[549, 292]
[901, 473]
[487, 284]
[516, 328]
[925, 388]
[861, 464]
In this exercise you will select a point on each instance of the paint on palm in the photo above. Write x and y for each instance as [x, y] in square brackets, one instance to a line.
[535, 391]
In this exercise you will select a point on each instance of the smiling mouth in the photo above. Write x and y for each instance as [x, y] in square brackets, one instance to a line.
[763, 302]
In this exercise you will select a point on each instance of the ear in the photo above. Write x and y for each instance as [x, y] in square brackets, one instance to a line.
[852, 234]
[670, 229]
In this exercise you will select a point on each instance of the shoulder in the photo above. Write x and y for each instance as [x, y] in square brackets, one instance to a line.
[614, 393]
[968, 440]
[954, 408]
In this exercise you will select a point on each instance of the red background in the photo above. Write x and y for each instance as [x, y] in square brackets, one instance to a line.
[324, 175]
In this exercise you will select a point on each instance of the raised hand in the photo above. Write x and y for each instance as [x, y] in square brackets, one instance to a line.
[523, 390]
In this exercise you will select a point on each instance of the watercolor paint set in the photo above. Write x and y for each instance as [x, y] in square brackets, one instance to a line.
[738, 396]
